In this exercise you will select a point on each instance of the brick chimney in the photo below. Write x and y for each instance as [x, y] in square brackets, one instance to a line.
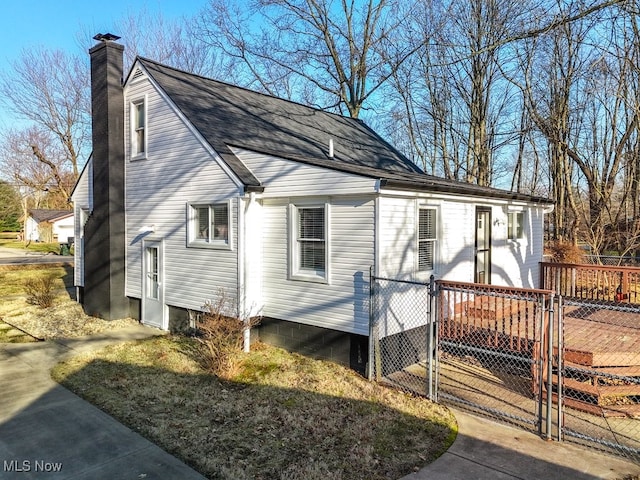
[104, 235]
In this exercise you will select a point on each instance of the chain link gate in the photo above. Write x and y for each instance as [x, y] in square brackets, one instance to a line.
[478, 347]
[494, 352]
[402, 334]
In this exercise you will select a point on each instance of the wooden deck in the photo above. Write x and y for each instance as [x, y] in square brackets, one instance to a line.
[600, 346]
[602, 338]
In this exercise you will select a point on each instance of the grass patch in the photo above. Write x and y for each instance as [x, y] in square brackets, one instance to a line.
[13, 277]
[64, 318]
[8, 334]
[282, 416]
[10, 241]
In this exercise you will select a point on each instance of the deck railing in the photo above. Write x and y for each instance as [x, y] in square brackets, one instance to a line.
[592, 282]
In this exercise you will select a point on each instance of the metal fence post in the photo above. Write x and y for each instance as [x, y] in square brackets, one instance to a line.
[437, 318]
[560, 360]
[540, 366]
[549, 411]
[371, 322]
[430, 339]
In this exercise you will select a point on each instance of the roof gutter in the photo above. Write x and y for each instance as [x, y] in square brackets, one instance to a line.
[462, 189]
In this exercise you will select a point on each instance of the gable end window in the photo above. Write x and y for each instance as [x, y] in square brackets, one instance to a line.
[515, 225]
[209, 225]
[309, 243]
[138, 118]
[427, 237]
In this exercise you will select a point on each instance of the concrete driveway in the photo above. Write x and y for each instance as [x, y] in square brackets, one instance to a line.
[13, 256]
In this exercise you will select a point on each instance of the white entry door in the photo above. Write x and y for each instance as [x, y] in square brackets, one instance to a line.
[152, 296]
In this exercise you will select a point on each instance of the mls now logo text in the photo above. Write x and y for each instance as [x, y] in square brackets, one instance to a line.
[29, 466]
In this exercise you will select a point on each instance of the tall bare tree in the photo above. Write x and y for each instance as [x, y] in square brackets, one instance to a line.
[49, 90]
[152, 35]
[333, 54]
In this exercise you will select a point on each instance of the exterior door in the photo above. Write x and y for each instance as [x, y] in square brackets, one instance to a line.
[483, 246]
[152, 296]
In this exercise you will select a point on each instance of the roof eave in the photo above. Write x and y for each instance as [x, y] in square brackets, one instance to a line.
[462, 189]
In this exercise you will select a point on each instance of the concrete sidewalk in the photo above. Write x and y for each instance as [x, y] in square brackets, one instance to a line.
[487, 450]
[48, 432]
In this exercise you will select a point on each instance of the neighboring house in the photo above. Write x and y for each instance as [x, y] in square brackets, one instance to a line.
[196, 186]
[48, 226]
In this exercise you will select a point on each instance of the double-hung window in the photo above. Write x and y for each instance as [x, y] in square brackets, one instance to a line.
[515, 225]
[209, 225]
[309, 242]
[427, 237]
[138, 118]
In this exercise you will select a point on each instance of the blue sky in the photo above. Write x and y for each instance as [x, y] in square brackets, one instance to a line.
[56, 24]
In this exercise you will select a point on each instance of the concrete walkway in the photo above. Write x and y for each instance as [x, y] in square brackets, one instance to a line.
[47, 432]
[487, 450]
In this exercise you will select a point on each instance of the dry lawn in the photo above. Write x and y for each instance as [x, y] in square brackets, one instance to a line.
[64, 319]
[282, 416]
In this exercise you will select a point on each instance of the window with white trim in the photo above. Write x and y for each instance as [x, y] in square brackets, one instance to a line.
[138, 118]
[427, 237]
[515, 225]
[309, 242]
[209, 225]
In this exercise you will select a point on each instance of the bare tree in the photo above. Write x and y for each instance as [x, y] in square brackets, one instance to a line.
[454, 97]
[171, 41]
[581, 92]
[49, 89]
[333, 54]
[36, 163]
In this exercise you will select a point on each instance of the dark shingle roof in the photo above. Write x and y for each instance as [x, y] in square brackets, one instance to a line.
[227, 115]
[45, 215]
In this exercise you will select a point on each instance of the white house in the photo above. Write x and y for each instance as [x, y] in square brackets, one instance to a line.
[44, 225]
[282, 206]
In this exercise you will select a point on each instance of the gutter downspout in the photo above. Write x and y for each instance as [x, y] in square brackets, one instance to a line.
[246, 335]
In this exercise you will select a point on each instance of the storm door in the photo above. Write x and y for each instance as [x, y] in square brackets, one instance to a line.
[152, 298]
[483, 246]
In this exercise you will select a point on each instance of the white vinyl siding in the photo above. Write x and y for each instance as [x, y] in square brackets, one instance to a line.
[518, 258]
[82, 206]
[158, 193]
[285, 178]
[341, 304]
[399, 238]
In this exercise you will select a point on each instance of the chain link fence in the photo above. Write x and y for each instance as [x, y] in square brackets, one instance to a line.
[600, 375]
[565, 368]
[626, 261]
[402, 334]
